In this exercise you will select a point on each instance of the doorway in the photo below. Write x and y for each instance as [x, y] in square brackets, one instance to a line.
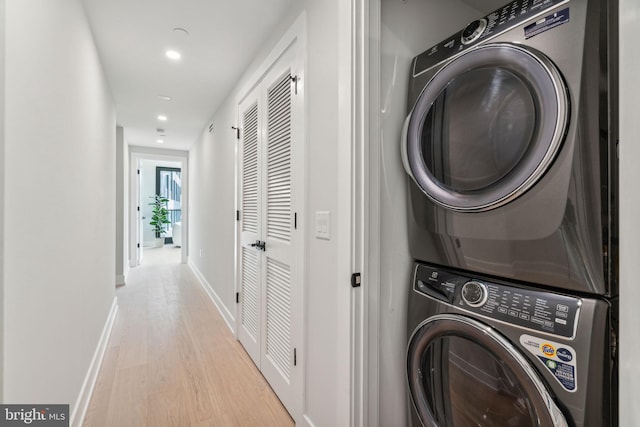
[161, 172]
[169, 186]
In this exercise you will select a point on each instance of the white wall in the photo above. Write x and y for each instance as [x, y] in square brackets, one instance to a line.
[2, 146]
[122, 206]
[212, 219]
[629, 214]
[212, 160]
[59, 202]
[148, 190]
[407, 30]
[325, 356]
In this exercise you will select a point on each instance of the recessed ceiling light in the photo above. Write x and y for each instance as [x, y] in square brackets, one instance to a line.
[164, 97]
[173, 54]
[162, 118]
[159, 141]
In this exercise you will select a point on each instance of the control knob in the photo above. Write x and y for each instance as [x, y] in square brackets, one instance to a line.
[474, 293]
[473, 31]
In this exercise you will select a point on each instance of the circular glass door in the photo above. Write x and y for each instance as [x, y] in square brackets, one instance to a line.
[464, 374]
[486, 127]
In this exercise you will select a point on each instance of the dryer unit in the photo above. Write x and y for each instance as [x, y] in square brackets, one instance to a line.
[488, 353]
[511, 150]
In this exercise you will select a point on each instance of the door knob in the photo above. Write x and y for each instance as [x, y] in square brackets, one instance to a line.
[259, 244]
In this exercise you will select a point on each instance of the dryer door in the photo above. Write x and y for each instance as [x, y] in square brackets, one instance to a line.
[462, 373]
[486, 127]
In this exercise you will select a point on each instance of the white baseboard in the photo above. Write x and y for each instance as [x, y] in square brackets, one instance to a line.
[121, 280]
[82, 403]
[226, 314]
[306, 422]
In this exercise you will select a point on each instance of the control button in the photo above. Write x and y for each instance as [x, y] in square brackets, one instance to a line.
[562, 307]
[474, 293]
[548, 323]
[513, 313]
[561, 314]
[473, 31]
[524, 316]
[502, 310]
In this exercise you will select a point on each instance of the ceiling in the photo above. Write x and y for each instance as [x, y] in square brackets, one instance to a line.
[223, 37]
[132, 37]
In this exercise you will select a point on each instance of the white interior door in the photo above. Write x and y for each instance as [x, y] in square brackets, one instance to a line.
[271, 200]
[250, 256]
[282, 284]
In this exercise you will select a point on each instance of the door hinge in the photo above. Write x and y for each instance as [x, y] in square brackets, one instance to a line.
[138, 245]
[295, 220]
[237, 297]
[295, 80]
[356, 280]
[238, 215]
[295, 357]
[138, 171]
[138, 208]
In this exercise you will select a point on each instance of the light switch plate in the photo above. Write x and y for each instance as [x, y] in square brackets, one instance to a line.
[323, 225]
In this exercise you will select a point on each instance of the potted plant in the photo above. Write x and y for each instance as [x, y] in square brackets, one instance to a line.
[159, 217]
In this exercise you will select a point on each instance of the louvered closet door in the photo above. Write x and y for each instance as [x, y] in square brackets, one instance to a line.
[250, 257]
[270, 310]
[282, 285]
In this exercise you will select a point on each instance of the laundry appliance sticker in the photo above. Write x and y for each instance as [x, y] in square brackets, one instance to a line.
[546, 23]
[559, 359]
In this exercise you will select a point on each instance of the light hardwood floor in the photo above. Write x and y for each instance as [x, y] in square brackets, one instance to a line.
[172, 360]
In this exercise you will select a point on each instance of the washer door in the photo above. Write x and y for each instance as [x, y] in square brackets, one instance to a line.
[462, 373]
[486, 127]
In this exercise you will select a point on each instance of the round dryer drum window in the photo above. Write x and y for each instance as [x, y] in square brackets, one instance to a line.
[463, 374]
[486, 127]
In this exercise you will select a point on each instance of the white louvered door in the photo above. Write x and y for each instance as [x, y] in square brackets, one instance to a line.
[282, 283]
[250, 256]
[274, 220]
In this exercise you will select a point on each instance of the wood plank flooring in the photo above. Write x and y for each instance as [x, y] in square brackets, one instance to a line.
[172, 360]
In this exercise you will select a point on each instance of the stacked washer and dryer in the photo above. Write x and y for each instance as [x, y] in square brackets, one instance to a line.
[511, 147]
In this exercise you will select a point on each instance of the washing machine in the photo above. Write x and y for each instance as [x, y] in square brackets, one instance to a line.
[484, 352]
[511, 148]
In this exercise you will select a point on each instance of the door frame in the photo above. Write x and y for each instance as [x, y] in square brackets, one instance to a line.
[363, 18]
[137, 154]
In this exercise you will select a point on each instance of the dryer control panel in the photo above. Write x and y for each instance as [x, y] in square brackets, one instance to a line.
[532, 309]
[495, 23]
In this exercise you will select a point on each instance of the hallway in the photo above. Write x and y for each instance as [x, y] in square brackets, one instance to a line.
[172, 360]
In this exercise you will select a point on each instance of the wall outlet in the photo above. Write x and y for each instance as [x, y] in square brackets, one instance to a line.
[323, 225]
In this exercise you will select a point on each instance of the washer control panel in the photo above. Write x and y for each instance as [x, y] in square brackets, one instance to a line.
[498, 21]
[533, 309]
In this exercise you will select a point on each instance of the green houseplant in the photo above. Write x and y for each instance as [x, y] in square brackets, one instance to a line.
[159, 217]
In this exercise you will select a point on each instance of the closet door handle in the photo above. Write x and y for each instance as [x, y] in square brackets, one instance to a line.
[259, 244]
